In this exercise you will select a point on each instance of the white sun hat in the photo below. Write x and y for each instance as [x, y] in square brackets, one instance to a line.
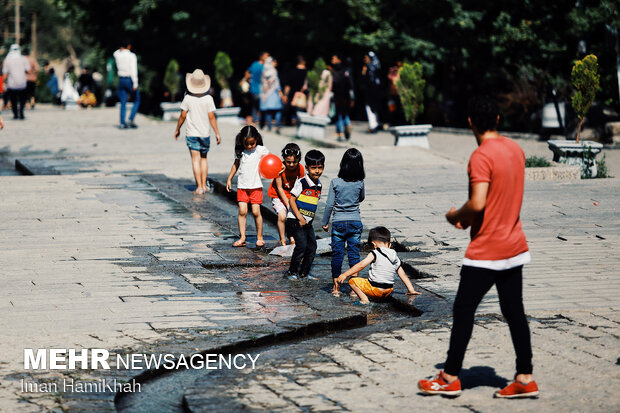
[197, 82]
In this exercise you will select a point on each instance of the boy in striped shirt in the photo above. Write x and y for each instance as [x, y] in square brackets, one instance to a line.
[304, 201]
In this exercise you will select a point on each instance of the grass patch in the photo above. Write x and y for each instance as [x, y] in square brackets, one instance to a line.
[537, 162]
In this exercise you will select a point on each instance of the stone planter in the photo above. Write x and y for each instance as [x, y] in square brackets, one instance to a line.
[411, 135]
[555, 172]
[172, 110]
[228, 115]
[572, 153]
[71, 105]
[311, 127]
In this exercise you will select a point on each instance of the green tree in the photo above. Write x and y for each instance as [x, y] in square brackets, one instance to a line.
[315, 88]
[410, 86]
[585, 80]
[514, 49]
[223, 69]
[171, 78]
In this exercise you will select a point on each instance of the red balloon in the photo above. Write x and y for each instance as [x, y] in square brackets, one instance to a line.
[270, 166]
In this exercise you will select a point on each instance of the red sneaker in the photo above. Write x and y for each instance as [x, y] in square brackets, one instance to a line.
[437, 385]
[516, 390]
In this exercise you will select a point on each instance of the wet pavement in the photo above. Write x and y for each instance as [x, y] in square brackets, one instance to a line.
[263, 292]
[186, 283]
[106, 246]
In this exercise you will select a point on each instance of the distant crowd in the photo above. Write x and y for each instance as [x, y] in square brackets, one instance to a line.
[273, 97]
[24, 81]
[268, 97]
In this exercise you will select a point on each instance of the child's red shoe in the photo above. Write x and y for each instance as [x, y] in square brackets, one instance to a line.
[437, 385]
[516, 390]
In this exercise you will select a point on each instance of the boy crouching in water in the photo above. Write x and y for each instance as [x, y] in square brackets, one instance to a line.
[384, 265]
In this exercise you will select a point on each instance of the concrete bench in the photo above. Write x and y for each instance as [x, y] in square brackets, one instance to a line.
[311, 127]
[172, 110]
[411, 135]
[228, 115]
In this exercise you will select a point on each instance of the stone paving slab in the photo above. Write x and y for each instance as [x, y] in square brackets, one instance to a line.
[370, 371]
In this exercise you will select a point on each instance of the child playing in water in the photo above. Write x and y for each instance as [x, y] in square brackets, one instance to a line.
[249, 150]
[384, 265]
[280, 189]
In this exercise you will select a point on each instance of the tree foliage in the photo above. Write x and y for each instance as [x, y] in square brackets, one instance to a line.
[316, 88]
[223, 69]
[585, 80]
[410, 85]
[515, 49]
[171, 78]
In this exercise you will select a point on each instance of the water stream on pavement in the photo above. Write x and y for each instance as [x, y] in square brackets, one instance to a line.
[261, 290]
[7, 168]
[165, 392]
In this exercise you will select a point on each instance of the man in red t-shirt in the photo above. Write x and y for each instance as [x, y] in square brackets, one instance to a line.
[496, 254]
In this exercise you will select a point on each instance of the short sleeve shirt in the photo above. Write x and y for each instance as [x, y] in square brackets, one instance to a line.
[16, 67]
[288, 181]
[249, 177]
[256, 71]
[308, 194]
[198, 109]
[497, 234]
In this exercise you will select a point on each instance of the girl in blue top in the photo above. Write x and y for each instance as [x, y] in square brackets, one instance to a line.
[345, 195]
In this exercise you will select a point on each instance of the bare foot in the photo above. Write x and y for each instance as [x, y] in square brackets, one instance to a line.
[199, 191]
[336, 293]
[352, 294]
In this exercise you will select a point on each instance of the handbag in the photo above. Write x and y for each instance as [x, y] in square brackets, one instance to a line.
[299, 100]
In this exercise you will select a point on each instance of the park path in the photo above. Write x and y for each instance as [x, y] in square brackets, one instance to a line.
[96, 255]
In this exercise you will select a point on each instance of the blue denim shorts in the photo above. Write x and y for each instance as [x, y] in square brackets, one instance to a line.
[195, 143]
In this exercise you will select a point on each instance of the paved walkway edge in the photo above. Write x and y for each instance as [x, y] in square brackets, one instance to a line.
[310, 330]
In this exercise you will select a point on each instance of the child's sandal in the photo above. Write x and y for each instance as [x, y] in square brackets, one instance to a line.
[336, 293]
[239, 243]
[260, 243]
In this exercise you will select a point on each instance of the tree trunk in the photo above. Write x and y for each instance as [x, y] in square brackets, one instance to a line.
[33, 28]
[579, 128]
[17, 21]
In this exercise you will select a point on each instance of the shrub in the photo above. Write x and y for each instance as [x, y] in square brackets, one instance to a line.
[223, 69]
[536, 162]
[410, 86]
[585, 80]
[601, 168]
[315, 88]
[171, 78]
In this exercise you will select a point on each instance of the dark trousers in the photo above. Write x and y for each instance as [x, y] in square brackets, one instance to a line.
[255, 107]
[17, 96]
[305, 247]
[475, 283]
